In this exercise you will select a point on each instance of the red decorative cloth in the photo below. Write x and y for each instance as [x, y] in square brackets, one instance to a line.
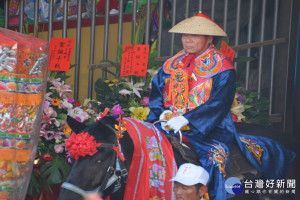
[114, 4]
[189, 60]
[153, 163]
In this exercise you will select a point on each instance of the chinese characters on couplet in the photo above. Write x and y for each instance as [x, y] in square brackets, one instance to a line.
[270, 186]
[227, 50]
[60, 53]
[134, 60]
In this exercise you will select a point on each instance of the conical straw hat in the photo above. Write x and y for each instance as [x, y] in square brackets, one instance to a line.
[199, 24]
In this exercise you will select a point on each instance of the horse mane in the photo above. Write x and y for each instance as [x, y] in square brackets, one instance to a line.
[102, 130]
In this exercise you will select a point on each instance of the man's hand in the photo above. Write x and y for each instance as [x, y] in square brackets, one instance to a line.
[176, 123]
[167, 114]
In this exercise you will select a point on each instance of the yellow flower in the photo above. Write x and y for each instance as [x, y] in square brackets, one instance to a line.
[115, 81]
[238, 110]
[106, 81]
[55, 101]
[67, 130]
[140, 113]
[120, 128]
[110, 85]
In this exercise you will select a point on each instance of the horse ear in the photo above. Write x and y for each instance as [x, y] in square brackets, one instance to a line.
[75, 125]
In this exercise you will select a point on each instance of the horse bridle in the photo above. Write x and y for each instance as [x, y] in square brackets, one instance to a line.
[109, 179]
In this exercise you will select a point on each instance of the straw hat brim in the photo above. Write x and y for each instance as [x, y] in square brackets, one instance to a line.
[198, 25]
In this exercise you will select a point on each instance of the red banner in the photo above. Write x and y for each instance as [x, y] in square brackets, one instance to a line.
[60, 53]
[227, 50]
[134, 60]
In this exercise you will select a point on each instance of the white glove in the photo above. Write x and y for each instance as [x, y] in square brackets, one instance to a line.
[176, 123]
[163, 116]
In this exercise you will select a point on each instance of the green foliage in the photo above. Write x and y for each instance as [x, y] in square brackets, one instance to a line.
[109, 92]
[256, 109]
[56, 170]
[35, 186]
[240, 59]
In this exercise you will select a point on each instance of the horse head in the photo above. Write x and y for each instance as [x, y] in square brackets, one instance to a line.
[97, 171]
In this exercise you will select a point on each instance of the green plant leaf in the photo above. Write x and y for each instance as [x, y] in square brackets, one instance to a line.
[35, 186]
[119, 53]
[153, 47]
[56, 170]
[103, 92]
[152, 62]
[62, 116]
[240, 59]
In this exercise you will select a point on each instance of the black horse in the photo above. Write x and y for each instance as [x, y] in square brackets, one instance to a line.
[95, 173]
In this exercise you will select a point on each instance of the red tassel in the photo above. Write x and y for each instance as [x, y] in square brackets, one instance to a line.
[117, 150]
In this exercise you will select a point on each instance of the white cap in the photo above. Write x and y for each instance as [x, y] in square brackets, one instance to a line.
[190, 174]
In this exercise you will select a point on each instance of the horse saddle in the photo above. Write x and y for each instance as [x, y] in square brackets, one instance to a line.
[239, 167]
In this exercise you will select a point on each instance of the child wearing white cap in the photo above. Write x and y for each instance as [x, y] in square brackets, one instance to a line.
[190, 182]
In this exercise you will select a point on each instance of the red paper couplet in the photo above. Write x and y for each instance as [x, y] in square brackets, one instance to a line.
[134, 59]
[227, 50]
[60, 53]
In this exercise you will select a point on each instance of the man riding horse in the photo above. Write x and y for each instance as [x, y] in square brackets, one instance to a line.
[209, 82]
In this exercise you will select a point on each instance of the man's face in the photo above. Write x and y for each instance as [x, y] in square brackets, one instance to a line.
[193, 43]
[183, 192]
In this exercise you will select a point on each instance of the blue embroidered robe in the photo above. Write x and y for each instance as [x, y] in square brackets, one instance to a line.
[213, 131]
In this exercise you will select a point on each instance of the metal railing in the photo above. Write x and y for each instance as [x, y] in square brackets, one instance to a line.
[252, 29]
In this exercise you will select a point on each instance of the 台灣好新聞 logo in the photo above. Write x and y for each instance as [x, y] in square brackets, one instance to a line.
[233, 185]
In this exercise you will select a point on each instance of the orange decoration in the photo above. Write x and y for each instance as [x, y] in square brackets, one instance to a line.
[21, 99]
[11, 85]
[19, 155]
[3, 195]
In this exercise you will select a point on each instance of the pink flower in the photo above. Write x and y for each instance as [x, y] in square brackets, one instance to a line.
[145, 101]
[117, 110]
[60, 86]
[58, 148]
[48, 96]
[48, 135]
[70, 100]
[79, 114]
[69, 158]
[48, 110]
[58, 135]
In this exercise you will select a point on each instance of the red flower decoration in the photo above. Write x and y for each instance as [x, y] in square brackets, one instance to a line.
[76, 104]
[47, 157]
[81, 144]
[235, 118]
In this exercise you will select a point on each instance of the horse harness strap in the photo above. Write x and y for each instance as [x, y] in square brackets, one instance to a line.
[111, 173]
[120, 166]
[109, 179]
[78, 190]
